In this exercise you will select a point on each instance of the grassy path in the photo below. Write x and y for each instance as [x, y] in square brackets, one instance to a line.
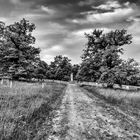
[83, 118]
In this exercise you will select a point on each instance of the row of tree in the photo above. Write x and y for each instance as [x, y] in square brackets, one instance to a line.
[101, 61]
[20, 60]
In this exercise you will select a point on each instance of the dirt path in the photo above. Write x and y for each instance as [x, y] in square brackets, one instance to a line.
[83, 118]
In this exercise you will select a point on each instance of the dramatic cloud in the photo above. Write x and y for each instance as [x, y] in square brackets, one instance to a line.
[47, 10]
[109, 5]
[61, 24]
[108, 17]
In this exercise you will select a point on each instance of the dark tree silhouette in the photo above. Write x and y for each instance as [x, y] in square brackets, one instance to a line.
[60, 68]
[75, 69]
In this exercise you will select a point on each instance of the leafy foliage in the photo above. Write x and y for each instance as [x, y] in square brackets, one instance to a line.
[128, 73]
[60, 68]
[75, 69]
[18, 58]
[101, 60]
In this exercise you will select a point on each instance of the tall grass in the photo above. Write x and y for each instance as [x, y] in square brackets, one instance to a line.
[126, 100]
[25, 103]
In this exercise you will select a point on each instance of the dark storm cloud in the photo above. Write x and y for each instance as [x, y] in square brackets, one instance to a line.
[138, 16]
[69, 8]
[66, 2]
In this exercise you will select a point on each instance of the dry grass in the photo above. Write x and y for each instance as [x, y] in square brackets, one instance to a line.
[128, 101]
[121, 95]
[115, 94]
[24, 107]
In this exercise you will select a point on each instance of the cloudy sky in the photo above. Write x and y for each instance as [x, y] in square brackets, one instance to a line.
[61, 24]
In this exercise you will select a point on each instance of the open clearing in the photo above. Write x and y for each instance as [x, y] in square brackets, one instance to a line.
[58, 113]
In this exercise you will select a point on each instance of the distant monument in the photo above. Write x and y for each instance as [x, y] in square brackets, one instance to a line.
[71, 77]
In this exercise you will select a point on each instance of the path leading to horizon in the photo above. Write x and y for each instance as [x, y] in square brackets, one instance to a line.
[83, 118]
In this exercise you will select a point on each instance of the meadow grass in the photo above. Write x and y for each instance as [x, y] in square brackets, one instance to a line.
[124, 96]
[25, 106]
[126, 100]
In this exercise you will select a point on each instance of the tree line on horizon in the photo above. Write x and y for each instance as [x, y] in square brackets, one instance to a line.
[101, 61]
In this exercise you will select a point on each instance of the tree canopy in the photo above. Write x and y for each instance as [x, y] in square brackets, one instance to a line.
[60, 68]
[18, 58]
[101, 61]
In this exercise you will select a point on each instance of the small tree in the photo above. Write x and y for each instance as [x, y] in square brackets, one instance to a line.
[40, 72]
[60, 68]
[128, 73]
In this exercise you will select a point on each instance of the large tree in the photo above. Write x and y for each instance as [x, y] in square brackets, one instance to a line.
[102, 55]
[18, 57]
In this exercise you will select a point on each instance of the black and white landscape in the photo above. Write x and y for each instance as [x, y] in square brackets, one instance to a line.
[69, 70]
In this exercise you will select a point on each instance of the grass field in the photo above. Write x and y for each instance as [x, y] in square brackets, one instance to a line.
[127, 100]
[26, 107]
